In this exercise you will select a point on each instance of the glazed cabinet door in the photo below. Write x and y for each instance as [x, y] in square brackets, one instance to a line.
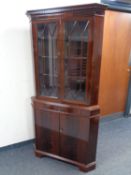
[74, 136]
[47, 60]
[77, 58]
[47, 131]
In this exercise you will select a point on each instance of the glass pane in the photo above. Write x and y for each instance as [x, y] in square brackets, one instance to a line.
[48, 60]
[75, 59]
[49, 85]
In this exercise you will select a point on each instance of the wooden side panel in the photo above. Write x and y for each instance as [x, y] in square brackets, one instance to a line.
[96, 58]
[47, 131]
[114, 69]
[93, 134]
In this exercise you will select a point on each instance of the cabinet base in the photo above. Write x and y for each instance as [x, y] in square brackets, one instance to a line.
[86, 168]
[39, 155]
[82, 167]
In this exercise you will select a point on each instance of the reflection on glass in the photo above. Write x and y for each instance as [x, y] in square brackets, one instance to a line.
[75, 59]
[48, 60]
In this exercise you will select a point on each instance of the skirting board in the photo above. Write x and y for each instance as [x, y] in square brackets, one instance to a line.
[114, 116]
[17, 145]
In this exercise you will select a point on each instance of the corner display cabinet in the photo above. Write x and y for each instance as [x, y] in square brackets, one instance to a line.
[67, 45]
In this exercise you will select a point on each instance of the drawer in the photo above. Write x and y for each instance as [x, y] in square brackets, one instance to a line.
[66, 108]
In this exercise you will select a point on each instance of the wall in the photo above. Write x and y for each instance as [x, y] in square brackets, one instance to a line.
[16, 68]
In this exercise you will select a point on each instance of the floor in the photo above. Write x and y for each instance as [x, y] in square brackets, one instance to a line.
[113, 155]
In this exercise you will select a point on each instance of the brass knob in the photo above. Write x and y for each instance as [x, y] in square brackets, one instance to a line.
[61, 130]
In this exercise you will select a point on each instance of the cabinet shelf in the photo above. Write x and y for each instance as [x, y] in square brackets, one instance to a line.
[78, 78]
[48, 57]
[48, 75]
[66, 58]
[75, 58]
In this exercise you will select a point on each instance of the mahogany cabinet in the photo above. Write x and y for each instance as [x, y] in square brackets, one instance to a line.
[67, 44]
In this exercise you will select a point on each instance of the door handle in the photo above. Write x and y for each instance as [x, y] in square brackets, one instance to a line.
[128, 70]
[61, 130]
[129, 63]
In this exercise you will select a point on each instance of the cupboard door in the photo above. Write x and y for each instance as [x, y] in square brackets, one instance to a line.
[47, 131]
[74, 136]
[77, 58]
[47, 58]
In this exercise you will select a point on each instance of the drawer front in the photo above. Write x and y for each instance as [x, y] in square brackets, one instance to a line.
[85, 111]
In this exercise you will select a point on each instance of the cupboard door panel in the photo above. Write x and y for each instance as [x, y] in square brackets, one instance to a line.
[48, 58]
[47, 131]
[74, 135]
[77, 49]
